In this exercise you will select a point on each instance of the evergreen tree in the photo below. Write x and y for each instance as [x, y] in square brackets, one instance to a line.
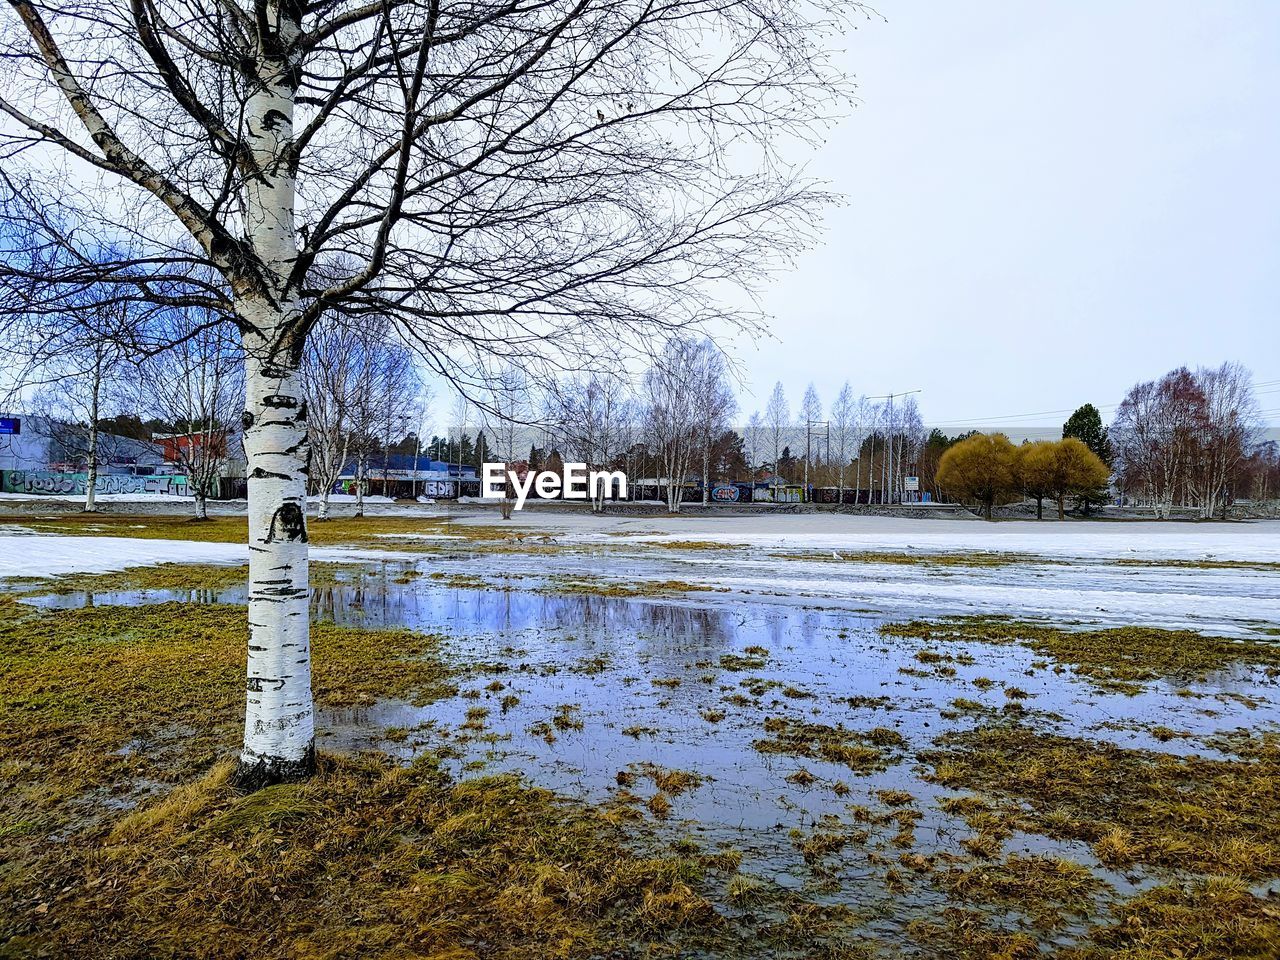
[482, 454]
[1086, 426]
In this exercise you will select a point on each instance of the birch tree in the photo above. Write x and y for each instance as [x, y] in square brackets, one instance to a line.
[714, 400]
[329, 373]
[777, 419]
[844, 413]
[751, 435]
[502, 180]
[589, 417]
[197, 387]
[810, 413]
[673, 414]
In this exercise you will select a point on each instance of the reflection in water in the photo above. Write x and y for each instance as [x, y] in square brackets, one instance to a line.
[648, 682]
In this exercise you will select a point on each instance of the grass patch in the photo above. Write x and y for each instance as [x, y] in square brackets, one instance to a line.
[98, 697]
[860, 751]
[560, 585]
[388, 533]
[1212, 816]
[1118, 658]
[1213, 917]
[1044, 888]
[368, 859]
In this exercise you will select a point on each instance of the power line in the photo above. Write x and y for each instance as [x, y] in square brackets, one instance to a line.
[1006, 418]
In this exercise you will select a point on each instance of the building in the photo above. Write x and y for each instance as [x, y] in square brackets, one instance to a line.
[39, 455]
[402, 476]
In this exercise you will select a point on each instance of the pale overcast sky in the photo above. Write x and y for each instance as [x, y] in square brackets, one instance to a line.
[1047, 202]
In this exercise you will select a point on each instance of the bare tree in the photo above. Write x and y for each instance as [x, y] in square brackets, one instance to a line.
[1227, 432]
[588, 423]
[78, 382]
[329, 372]
[751, 434]
[498, 178]
[714, 401]
[844, 414]
[777, 419]
[810, 413]
[197, 388]
[1185, 437]
[673, 415]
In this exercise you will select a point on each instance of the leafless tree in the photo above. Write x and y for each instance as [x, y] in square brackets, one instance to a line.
[1185, 437]
[78, 382]
[330, 368]
[777, 419]
[197, 387]
[751, 434]
[712, 394]
[1227, 431]
[500, 179]
[589, 422]
[844, 413]
[810, 414]
[673, 414]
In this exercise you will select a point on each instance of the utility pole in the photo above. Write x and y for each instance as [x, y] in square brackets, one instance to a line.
[887, 468]
[808, 433]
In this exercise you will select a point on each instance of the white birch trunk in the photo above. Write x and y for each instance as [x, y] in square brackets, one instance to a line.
[279, 729]
[706, 470]
[91, 483]
[360, 486]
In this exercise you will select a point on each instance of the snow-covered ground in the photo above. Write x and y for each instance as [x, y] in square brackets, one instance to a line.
[1255, 541]
[51, 556]
[1069, 573]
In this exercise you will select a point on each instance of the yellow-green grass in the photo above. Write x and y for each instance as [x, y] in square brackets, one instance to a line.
[1117, 658]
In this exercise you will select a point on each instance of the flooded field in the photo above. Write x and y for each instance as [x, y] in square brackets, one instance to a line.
[902, 755]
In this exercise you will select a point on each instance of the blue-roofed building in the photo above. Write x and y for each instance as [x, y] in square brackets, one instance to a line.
[403, 476]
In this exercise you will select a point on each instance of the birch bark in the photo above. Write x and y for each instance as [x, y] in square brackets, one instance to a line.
[279, 729]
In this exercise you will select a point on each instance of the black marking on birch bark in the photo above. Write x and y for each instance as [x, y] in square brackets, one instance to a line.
[302, 412]
[291, 521]
[280, 401]
[246, 419]
[253, 649]
[259, 474]
[284, 592]
[257, 684]
[262, 772]
[273, 118]
[258, 549]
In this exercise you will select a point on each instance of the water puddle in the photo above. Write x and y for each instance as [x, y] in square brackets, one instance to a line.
[801, 725]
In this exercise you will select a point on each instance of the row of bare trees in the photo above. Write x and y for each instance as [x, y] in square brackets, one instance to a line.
[676, 420]
[107, 366]
[1186, 438]
[363, 390]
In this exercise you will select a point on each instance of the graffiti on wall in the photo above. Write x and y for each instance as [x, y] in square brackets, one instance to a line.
[73, 484]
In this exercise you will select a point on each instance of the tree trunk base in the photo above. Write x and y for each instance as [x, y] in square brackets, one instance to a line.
[266, 771]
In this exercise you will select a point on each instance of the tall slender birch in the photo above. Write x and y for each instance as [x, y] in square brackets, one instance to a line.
[505, 182]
